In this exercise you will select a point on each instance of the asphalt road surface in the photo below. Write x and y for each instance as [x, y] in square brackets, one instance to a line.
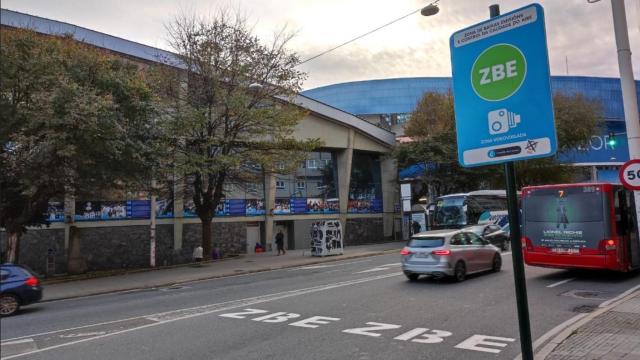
[361, 309]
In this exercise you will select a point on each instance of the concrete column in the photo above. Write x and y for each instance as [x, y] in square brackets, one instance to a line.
[345, 160]
[270, 204]
[389, 177]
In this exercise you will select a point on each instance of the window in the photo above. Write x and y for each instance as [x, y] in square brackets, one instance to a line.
[402, 118]
[4, 274]
[426, 242]
[300, 185]
[312, 164]
[320, 185]
[280, 184]
[279, 165]
[252, 188]
[458, 239]
[474, 239]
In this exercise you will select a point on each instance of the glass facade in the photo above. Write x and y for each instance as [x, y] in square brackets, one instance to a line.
[365, 188]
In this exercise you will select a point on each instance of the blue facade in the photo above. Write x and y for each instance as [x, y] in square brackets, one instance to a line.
[398, 96]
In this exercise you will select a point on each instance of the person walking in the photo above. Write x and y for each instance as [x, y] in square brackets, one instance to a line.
[280, 242]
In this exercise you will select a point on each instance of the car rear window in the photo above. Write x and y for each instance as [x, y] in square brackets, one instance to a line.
[426, 242]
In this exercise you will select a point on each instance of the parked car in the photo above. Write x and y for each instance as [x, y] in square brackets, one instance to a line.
[455, 253]
[492, 232]
[18, 287]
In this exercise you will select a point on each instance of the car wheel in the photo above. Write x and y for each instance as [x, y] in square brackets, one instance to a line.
[9, 304]
[412, 277]
[496, 265]
[460, 271]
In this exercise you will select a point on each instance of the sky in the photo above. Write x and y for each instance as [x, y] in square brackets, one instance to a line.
[580, 35]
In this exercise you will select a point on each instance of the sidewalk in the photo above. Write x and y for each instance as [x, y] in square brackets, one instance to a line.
[245, 264]
[609, 333]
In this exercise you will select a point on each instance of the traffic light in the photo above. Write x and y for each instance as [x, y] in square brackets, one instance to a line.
[611, 140]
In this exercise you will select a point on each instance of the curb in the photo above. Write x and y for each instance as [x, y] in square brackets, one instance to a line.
[223, 275]
[566, 333]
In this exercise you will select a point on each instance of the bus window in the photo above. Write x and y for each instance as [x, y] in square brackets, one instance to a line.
[450, 211]
[571, 217]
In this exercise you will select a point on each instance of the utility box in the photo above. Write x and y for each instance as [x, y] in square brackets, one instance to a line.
[326, 238]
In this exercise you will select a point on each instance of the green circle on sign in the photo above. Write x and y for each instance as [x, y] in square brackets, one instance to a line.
[498, 72]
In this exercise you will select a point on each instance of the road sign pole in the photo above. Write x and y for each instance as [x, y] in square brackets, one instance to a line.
[524, 324]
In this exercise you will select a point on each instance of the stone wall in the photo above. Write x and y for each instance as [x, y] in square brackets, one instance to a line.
[364, 231]
[38, 247]
[230, 238]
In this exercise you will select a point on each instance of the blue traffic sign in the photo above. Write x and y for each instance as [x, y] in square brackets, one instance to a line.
[502, 91]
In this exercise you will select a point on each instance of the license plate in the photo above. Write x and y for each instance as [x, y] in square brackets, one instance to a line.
[565, 251]
[422, 255]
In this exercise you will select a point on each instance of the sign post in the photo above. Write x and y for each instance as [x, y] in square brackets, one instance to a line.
[630, 174]
[504, 111]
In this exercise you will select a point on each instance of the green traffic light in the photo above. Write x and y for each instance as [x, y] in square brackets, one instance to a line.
[611, 141]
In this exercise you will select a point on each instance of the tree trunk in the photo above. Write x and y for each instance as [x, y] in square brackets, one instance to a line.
[206, 239]
[13, 247]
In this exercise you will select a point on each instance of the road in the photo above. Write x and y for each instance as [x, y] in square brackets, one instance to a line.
[361, 309]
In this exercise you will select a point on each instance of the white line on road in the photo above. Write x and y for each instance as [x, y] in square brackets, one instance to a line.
[14, 342]
[320, 266]
[175, 315]
[560, 282]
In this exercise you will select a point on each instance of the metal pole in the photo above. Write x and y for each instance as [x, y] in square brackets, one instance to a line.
[152, 230]
[629, 98]
[516, 249]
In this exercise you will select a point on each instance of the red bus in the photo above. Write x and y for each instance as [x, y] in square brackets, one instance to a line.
[580, 226]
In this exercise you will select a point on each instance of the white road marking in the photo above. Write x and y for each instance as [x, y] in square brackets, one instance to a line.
[94, 333]
[321, 266]
[560, 282]
[372, 270]
[475, 342]
[14, 342]
[175, 315]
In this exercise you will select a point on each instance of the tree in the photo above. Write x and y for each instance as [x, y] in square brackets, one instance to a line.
[227, 114]
[432, 126]
[75, 120]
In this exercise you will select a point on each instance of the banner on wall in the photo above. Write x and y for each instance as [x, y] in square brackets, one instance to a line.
[100, 210]
[55, 211]
[282, 207]
[365, 206]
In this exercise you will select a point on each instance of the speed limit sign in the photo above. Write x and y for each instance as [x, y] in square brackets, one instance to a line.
[630, 174]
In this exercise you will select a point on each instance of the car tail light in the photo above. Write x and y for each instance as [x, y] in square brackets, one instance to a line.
[610, 244]
[441, 252]
[32, 281]
[405, 252]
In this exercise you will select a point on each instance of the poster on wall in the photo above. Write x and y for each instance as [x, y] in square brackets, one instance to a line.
[315, 205]
[100, 210]
[189, 209]
[235, 207]
[298, 205]
[365, 206]
[332, 206]
[164, 208]
[138, 209]
[282, 207]
[254, 207]
[55, 211]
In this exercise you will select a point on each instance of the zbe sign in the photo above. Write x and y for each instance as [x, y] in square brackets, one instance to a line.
[502, 92]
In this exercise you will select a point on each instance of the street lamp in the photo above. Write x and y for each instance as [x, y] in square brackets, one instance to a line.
[430, 9]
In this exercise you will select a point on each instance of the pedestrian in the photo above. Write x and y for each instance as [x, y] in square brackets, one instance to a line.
[416, 227]
[280, 242]
[197, 254]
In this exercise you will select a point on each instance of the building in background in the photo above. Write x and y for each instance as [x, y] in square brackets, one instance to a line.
[348, 179]
[388, 103]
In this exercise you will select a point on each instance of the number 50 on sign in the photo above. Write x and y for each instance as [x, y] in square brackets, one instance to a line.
[630, 174]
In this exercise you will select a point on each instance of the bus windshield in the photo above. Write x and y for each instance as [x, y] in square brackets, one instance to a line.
[450, 211]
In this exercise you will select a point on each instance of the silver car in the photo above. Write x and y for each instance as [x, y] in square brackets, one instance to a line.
[441, 253]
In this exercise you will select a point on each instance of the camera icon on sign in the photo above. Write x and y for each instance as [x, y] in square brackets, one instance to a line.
[501, 120]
